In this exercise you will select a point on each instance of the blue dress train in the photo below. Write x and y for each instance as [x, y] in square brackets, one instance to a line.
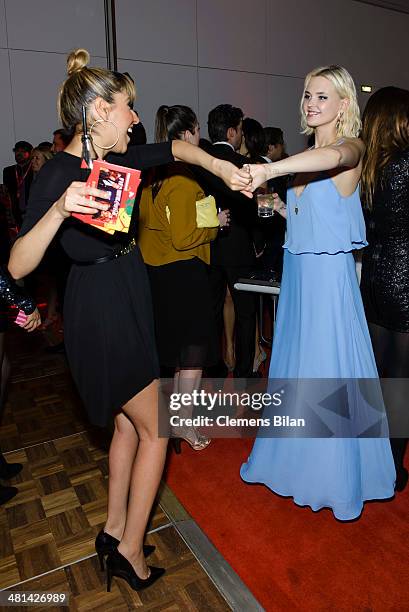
[321, 332]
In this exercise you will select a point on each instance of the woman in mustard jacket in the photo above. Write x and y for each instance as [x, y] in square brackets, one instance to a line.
[177, 253]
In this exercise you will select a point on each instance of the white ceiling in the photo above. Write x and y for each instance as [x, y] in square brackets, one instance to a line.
[395, 5]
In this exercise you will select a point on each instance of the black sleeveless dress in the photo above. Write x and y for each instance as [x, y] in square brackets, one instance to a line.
[108, 325]
[385, 262]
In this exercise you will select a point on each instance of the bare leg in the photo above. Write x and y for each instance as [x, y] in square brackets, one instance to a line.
[188, 381]
[122, 454]
[146, 473]
[229, 319]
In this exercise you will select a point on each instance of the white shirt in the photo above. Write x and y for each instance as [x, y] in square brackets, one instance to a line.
[223, 142]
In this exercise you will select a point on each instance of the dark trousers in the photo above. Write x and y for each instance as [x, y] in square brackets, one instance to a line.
[222, 277]
[391, 351]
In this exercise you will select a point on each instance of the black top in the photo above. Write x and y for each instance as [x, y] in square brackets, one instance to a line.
[385, 264]
[80, 241]
[233, 247]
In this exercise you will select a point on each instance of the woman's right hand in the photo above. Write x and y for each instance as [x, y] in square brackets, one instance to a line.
[278, 205]
[77, 199]
[224, 217]
[33, 320]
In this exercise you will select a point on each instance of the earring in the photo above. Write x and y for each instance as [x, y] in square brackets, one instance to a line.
[104, 121]
[340, 123]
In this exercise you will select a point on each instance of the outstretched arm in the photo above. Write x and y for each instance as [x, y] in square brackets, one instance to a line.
[347, 153]
[151, 155]
[238, 179]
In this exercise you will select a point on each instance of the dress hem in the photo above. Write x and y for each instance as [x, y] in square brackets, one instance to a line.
[317, 508]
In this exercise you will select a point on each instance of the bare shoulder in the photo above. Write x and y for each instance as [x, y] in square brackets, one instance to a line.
[355, 144]
[346, 176]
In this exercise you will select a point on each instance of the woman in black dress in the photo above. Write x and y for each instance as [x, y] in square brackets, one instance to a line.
[385, 264]
[107, 311]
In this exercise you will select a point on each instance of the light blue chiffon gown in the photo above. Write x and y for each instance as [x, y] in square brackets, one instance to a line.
[321, 332]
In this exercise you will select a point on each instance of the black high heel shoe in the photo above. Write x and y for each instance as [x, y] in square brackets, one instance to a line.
[119, 566]
[105, 544]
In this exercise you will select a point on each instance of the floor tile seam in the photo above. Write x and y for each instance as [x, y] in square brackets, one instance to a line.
[189, 544]
[63, 566]
[15, 381]
[16, 450]
[206, 565]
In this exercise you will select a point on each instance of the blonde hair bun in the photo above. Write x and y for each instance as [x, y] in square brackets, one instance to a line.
[77, 60]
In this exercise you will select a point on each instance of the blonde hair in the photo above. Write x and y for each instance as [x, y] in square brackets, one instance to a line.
[45, 151]
[350, 125]
[84, 85]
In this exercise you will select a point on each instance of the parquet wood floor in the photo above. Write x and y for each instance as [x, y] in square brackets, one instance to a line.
[48, 529]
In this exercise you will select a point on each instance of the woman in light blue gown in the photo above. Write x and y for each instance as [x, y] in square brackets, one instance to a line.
[321, 331]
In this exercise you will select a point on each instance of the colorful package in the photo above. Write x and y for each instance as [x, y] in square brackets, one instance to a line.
[122, 184]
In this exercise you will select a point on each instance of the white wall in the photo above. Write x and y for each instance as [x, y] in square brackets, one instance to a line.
[35, 38]
[195, 52]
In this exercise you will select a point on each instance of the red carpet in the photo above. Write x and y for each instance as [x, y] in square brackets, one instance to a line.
[292, 558]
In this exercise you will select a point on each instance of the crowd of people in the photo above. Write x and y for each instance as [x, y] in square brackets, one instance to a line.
[167, 287]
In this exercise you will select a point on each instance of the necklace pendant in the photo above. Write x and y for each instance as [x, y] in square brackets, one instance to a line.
[296, 210]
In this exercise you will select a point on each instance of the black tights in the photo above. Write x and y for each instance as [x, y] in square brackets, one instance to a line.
[391, 351]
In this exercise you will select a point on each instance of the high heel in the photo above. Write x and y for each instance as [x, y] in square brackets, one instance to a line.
[120, 567]
[190, 435]
[105, 544]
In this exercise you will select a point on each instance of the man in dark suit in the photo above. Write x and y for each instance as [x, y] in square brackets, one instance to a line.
[18, 179]
[233, 252]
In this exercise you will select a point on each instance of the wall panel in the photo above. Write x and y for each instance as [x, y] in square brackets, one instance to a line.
[233, 34]
[243, 89]
[7, 140]
[56, 25]
[157, 30]
[296, 36]
[36, 79]
[3, 31]
[158, 84]
[284, 95]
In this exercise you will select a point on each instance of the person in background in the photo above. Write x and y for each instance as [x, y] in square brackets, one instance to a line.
[253, 147]
[40, 155]
[11, 295]
[18, 179]
[385, 262]
[177, 254]
[61, 139]
[274, 139]
[232, 253]
[274, 228]
[253, 144]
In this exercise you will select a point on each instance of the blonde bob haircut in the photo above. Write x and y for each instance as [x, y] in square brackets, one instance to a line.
[349, 124]
[84, 85]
